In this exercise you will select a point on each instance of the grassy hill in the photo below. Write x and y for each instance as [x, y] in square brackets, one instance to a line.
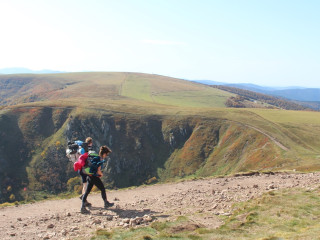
[101, 88]
[158, 128]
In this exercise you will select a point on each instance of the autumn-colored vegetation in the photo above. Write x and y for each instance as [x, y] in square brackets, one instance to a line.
[158, 128]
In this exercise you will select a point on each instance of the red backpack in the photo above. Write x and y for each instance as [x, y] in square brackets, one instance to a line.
[78, 165]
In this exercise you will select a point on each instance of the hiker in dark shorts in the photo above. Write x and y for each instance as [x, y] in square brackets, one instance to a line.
[95, 179]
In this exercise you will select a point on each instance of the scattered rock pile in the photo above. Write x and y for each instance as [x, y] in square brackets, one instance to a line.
[132, 222]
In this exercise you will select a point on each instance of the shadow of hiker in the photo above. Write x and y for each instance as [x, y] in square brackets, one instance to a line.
[130, 213]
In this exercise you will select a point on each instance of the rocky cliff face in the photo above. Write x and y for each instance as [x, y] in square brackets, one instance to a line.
[25, 132]
[140, 146]
[32, 152]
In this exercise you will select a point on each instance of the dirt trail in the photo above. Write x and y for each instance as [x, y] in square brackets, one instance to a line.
[201, 200]
[270, 137]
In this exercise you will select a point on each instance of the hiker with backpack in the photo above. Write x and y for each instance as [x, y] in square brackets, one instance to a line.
[85, 149]
[76, 150]
[85, 146]
[92, 169]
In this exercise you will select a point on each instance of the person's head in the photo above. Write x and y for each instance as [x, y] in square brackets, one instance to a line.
[89, 141]
[104, 151]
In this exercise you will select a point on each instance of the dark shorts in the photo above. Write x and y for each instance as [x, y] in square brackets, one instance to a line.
[83, 176]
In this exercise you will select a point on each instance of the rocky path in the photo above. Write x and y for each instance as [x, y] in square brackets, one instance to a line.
[201, 200]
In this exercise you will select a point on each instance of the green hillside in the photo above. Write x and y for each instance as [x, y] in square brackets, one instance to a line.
[103, 88]
[170, 91]
[158, 128]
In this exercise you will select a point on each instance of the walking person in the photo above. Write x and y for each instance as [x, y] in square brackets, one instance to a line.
[84, 154]
[94, 175]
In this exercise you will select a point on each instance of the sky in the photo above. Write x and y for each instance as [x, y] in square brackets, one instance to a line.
[264, 42]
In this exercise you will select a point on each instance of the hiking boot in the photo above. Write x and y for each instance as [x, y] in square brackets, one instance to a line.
[83, 210]
[87, 204]
[108, 204]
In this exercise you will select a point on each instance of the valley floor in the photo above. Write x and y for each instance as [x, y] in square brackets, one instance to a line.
[202, 201]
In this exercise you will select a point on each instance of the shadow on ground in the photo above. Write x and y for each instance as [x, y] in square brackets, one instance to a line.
[128, 213]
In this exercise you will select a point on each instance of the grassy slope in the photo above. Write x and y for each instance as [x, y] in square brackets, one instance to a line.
[170, 91]
[244, 131]
[146, 94]
[104, 88]
[298, 131]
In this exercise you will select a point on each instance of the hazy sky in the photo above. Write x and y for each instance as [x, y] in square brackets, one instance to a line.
[266, 42]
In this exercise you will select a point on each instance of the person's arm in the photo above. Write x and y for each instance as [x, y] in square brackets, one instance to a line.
[99, 172]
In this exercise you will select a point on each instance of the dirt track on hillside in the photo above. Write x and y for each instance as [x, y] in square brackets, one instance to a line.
[202, 200]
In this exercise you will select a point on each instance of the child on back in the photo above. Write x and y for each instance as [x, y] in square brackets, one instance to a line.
[94, 179]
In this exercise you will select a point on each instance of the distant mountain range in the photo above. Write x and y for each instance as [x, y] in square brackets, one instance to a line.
[293, 93]
[25, 70]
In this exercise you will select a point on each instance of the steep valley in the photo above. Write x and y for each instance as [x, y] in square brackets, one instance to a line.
[146, 148]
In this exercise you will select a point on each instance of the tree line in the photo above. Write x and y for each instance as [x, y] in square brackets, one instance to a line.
[243, 95]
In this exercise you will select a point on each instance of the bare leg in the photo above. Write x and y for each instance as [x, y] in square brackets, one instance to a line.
[84, 187]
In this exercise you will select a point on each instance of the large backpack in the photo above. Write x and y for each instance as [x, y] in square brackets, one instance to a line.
[72, 151]
[75, 149]
[92, 164]
[81, 162]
